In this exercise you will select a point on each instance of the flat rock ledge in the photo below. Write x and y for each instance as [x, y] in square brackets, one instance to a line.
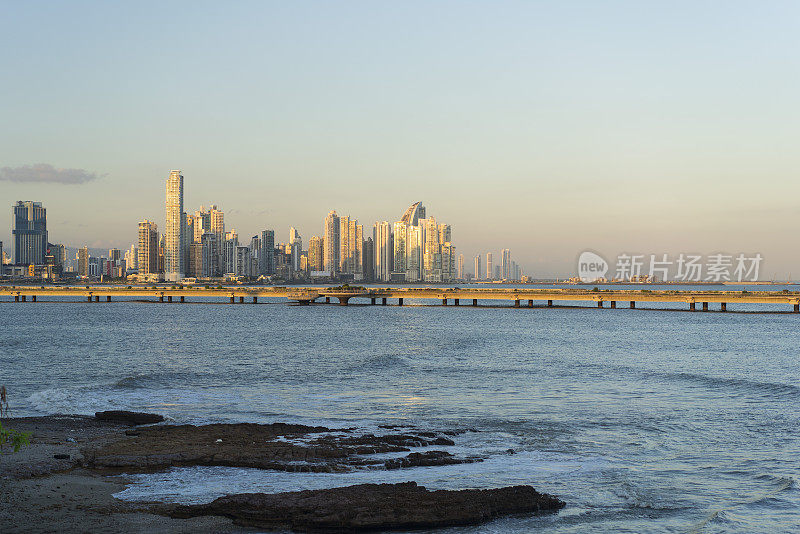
[277, 446]
[129, 418]
[370, 507]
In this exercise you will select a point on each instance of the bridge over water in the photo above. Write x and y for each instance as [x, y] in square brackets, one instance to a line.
[516, 297]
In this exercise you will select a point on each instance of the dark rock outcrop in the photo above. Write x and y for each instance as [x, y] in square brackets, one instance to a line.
[277, 446]
[129, 418]
[367, 507]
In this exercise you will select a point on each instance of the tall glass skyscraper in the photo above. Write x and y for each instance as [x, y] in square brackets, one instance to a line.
[174, 268]
[30, 233]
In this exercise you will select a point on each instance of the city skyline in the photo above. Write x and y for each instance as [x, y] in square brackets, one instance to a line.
[565, 127]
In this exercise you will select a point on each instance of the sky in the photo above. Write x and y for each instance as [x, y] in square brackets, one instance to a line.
[548, 128]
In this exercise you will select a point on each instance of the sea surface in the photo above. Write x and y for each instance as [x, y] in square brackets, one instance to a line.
[646, 420]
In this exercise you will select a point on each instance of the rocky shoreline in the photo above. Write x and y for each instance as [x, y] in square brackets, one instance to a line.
[79, 452]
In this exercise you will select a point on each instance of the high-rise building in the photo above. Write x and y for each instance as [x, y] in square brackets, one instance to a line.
[489, 266]
[505, 264]
[174, 244]
[83, 261]
[415, 245]
[132, 259]
[368, 260]
[448, 262]
[210, 255]
[241, 266]
[148, 248]
[195, 266]
[30, 232]
[231, 244]
[316, 254]
[331, 243]
[400, 249]
[266, 260]
[432, 251]
[478, 272]
[382, 241]
[460, 272]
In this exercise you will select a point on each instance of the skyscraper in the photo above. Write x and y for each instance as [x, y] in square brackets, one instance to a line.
[368, 260]
[382, 241]
[460, 272]
[400, 248]
[83, 261]
[489, 266]
[331, 243]
[148, 248]
[174, 242]
[266, 260]
[30, 232]
[316, 254]
[478, 271]
[505, 264]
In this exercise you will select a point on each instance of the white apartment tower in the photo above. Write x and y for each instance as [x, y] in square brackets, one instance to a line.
[175, 225]
[331, 243]
[382, 240]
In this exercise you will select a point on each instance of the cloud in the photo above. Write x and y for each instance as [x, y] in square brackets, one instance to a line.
[45, 173]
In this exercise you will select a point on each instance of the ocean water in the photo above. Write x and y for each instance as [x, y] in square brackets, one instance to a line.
[641, 420]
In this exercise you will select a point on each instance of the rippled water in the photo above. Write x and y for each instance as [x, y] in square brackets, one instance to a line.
[641, 420]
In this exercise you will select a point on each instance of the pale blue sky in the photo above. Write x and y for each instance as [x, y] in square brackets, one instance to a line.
[547, 128]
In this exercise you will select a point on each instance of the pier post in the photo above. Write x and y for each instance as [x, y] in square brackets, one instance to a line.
[797, 308]
[372, 301]
[108, 298]
[691, 306]
[516, 303]
[16, 298]
[705, 306]
[633, 304]
[723, 306]
[183, 299]
[241, 300]
[161, 298]
[233, 299]
[383, 301]
[474, 302]
[169, 298]
[530, 303]
[549, 303]
[97, 298]
[255, 300]
[33, 298]
[400, 302]
[444, 302]
[613, 304]
[456, 302]
[327, 300]
[599, 303]
[24, 298]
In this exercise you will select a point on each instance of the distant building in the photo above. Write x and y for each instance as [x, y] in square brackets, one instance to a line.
[83, 261]
[30, 232]
[505, 264]
[384, 253]
[489, 266]
[231, 244]
[460, 272]
[147, 255]
[331, 243]
[368, 260]
[478, 271]
[175, 243]
[316, 254]
[266, 260]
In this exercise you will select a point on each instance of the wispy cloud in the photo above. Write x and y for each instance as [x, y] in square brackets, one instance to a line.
[45, 173]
